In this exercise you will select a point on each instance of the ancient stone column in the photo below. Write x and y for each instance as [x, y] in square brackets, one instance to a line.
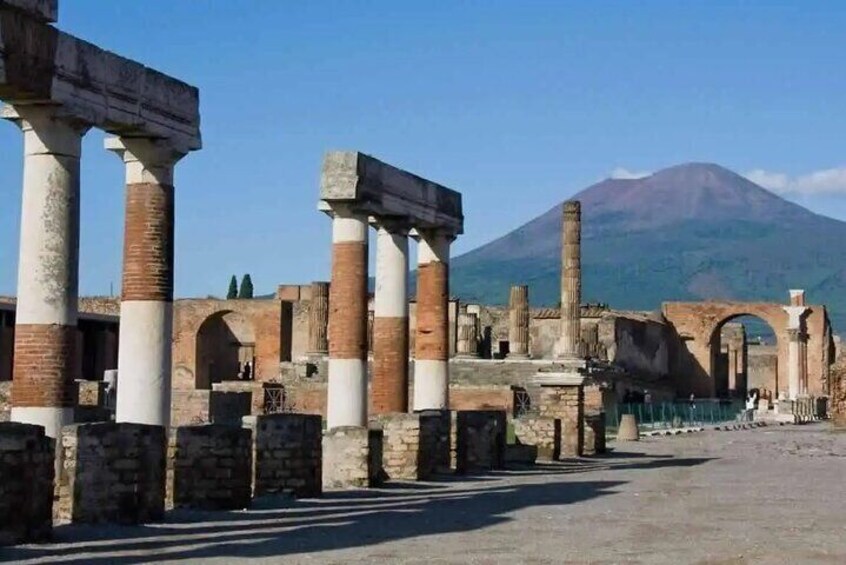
[571, 282]
[43, 388]
[431, 359]
[467, 344]
[318, 340]
[146, 307]
[796, 336]
[390, 322]
[347, 393]
[518, 322]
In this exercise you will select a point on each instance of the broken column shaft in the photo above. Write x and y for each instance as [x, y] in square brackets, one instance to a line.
[518, 322]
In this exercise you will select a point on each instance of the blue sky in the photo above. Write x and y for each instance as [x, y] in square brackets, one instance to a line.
[516, 104]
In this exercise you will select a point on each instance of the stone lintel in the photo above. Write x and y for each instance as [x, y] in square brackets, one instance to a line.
[563, 372]
[40, 64]
[379, 189]
[45, 11]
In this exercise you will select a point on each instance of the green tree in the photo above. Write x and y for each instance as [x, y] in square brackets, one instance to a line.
[233, 288]
[246, 287]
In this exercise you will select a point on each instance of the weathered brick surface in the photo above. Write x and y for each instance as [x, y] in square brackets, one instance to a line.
[348, 301]
[44, 365]
[352, 458]
[209, 467]
[432, 335]
[566, 403]
[112, 473]
[544, 433]
[837, 385]
[415, 446]
[480, 440]
[26, 483]
[390, 365]
[287, 454]
[148, 243]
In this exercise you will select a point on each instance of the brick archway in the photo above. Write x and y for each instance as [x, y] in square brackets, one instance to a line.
[698, 325]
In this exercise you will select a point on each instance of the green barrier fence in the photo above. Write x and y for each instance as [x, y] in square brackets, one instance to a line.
[662, 415]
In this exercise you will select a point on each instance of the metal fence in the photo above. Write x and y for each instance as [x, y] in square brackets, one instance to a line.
[662, 415]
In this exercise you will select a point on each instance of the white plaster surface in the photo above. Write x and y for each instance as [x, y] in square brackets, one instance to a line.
[348, 227]
[346, 402]
[794, 316]
[147, 160]
[52, 418]
[144, 358]
[391, 300]
[433, 248]
[793, 370]
[431, 384]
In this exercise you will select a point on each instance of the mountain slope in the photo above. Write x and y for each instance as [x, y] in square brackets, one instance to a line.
[689, 232]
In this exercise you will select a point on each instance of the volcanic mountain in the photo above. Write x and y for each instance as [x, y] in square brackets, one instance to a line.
[690, 232]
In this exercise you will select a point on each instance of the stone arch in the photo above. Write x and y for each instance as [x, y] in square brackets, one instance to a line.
[730, 374]
[225, 342]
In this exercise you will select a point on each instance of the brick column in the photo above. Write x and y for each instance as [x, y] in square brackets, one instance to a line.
[318, 342]
[390, 323]
[518, 322]
[431, 367]
[146, 307]
[43, 389]
[347, 389]
[571, 282]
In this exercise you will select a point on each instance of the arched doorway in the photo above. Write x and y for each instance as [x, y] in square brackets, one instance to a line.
[744, 356]
[225, 345]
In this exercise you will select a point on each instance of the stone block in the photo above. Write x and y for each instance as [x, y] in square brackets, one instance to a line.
[594, 434]
[26, 483]
[287, 454]
[352, 457]
[112, 472]
[209, 467]
[628, 431]
[544, 433]
[480, 440]
[415, 446]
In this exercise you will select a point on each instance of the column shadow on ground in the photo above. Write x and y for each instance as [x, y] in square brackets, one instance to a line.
[337, 521]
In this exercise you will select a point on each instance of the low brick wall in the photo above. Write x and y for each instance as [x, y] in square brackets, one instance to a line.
[566, 403]
[543, 432]
[209, 467]
[594, 434]
[189, 407]
[352, 457]
[112, 473]
[415, 446]
[480, 440]
[287, 454]
[228, 408]
[26, 483]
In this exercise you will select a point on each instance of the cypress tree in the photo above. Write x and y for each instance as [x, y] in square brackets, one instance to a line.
[233, 288]
[246, 287]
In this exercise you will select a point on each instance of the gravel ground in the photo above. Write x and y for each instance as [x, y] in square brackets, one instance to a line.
[769, 495]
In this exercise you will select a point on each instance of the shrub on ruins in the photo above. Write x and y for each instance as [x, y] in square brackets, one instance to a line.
[233, 288]
[246, 287]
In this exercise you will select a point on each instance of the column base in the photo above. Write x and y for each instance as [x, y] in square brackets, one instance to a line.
[352, 458]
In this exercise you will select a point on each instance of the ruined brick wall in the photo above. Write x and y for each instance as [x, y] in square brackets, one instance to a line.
[209, 467]
[112, 473]
[762, 367]
[837, 405]
[287, 454]
[479, 397]
[347, 458]
[479, 440]
[26, 483]
[566, 403]
[415, 446]
[544, 433]
[189, 407]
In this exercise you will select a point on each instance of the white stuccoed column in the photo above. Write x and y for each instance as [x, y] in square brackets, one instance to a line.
[146, 308]
[795, 335]
[390, 322]
[347, 388]
[43, 389]
[431, 344]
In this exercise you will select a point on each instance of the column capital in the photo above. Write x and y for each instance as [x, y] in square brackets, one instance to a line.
[432, 234]
[47, 128]
[391, 224]
[148, 160]
[796, 316]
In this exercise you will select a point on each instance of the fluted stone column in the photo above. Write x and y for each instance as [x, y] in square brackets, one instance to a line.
[45, 351]
[518, 322]
[146, 307]
[571, 282]
[796, 336]
[467, 344]
[390, 322]
[347, 389]
[431, 366]
[318, 339]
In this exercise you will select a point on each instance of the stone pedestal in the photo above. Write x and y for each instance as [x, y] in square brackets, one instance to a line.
[209, 468]
[26, 483]
[415, 446]
[352, 458]
[628, 428]
[112, 472]
[562, 396]
[287, 454]
[480, 440]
